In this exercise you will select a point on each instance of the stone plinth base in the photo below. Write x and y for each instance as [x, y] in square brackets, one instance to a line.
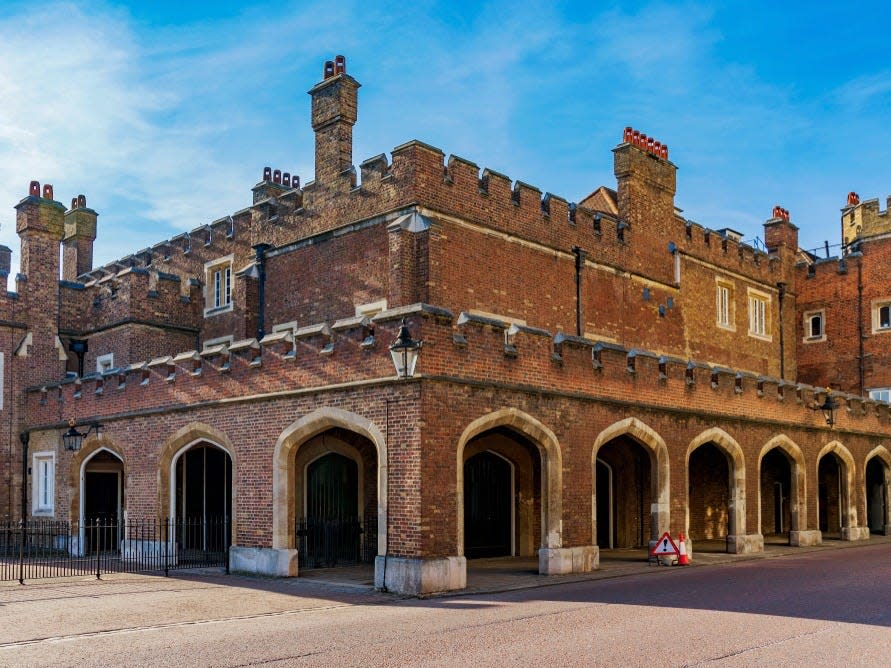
[157, 553]
[855, 533]
[805, 538]
[562, 560]
[745, 544]
[413, 576]
[279, 562]
[888, 529]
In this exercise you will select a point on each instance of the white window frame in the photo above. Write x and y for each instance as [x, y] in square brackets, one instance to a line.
[759, 315]
[724, 305]
[880, 394]
[218, 285]
[43, 483]
[102, 360]
[807, 321]
[877, 306]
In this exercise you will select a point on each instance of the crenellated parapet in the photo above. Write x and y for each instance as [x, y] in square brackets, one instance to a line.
[466, 348]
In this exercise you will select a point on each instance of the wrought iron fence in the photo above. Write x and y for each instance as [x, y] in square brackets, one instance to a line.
[50, 549]
[322, 543]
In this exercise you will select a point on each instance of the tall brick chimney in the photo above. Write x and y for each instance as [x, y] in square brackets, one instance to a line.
[779, 232]
[646, 180]
[77, 244]
[334, 112]
[40, 226]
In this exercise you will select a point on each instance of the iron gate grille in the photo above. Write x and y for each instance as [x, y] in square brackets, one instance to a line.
[323, 543]
[51, 549]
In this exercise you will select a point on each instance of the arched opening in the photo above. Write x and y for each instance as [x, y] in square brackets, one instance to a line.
[709, 492]
[502, 482]
[201, 499]
[102, 501]
[335, 500]
[488, 506]
[623, 514]
[830, 495]
[878, 490]
[776, 496]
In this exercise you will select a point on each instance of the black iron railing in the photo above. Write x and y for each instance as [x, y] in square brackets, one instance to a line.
[49, 549]
[322, 543]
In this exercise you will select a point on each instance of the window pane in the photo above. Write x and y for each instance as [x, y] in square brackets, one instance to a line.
[884, 317]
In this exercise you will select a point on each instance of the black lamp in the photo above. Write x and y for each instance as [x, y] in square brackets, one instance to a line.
[827, 407]
[404, 351]
[73, 439]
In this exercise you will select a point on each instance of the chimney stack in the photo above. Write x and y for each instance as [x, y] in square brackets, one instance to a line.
[77, 244]
[334, 112]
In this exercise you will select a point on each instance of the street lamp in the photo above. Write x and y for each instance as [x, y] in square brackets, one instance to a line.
[73, 439]
[404, 351]
[828, 407]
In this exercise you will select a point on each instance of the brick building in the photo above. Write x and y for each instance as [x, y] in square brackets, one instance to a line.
[591, 374]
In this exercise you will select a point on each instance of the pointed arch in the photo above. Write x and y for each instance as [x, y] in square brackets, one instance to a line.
[179, 442]
[647, 437]
[551, 463]
[737, 483]
[849, 510]
[284, 469]
[881, 453]
[798, 493]
[91, 447]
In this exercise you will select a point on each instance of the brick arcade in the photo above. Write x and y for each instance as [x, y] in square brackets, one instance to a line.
[592, 374]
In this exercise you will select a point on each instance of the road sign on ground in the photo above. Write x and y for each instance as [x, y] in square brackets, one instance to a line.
[665, 546]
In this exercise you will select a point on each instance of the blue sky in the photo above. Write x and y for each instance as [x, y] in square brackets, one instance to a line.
[163, 114]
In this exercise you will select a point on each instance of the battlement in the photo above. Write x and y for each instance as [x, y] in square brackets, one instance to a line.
[466, 348]
[864, 219]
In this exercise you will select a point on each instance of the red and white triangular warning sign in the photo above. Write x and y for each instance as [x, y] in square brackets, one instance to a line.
[665, 546]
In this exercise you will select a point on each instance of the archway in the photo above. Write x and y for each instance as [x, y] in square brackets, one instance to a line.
[835, 469]
[877, 480]
[201, 498]
[715, 491]
[102, 500]
[335, 499]
[524, 457]
[312, 437]
[782, 501]
[633, 509]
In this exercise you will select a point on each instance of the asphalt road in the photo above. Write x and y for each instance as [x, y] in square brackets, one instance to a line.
[826, 608]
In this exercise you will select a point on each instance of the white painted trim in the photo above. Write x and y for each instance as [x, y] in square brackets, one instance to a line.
[610, 496]
[36, 488]
[107, 357]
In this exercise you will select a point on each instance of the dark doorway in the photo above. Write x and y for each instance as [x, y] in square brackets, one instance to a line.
[776, 488]
[204, 499]
[332, 488]
[488, 506]
[101, 509]
[333, 532]
[829, 496]
[875, 496]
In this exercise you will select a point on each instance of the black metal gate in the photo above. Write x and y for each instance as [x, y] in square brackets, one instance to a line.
[488, 505]
[333, 533]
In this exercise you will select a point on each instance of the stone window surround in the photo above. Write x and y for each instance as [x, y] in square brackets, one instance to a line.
[763, 331]
[43, 500]
[807, 319]
[729, 322]
[210, 295]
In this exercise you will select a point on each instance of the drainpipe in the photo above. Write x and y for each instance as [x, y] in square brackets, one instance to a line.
[260, 266]
[579, 263]
[781, 287]
[24, 437]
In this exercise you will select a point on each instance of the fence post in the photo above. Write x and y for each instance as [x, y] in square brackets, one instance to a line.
[96, 543]
[22, 529]
[166, 544]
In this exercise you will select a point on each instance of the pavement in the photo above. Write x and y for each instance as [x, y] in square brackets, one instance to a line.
[514, 573]
[787, 606]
